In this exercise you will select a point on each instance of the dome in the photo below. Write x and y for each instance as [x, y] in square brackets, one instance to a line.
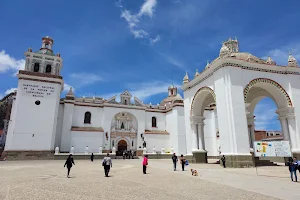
[171, 99]
[247, 57]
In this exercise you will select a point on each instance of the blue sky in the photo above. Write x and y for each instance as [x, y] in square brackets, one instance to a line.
[143, 46]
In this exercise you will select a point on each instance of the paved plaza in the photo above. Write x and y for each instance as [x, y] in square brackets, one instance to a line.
[47, 180]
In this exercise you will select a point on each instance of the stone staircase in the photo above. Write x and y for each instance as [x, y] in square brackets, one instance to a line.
[259, 162]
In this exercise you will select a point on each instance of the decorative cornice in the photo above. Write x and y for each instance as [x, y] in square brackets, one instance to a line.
[39, 74]
[230, 62]
[156, 132]
[88, 129]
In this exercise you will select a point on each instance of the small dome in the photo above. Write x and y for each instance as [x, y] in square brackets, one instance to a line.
[247, 57]
[171, 99]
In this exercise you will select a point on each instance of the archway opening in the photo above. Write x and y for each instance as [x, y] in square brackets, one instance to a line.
[204, 122]
[122, 146]
[266, 124]
[268, 107]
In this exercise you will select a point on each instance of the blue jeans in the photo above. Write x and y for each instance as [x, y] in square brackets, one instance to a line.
[295, 174]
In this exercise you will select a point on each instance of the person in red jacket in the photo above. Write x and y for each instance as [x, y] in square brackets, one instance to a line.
[145, 163]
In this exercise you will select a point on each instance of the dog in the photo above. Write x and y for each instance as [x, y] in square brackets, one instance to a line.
[194, 172]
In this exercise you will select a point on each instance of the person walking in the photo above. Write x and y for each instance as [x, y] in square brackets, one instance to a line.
[182, 161]
[92, 157]
[69, 162]
[107, 164]
[145, 163]
[175, 160]
[223, 161]
[292, 168]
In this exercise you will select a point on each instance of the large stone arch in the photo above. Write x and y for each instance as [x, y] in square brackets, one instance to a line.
[264, 87]
[202, 98]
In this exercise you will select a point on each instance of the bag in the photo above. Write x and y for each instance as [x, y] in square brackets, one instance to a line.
[103, 163]
[186, 163]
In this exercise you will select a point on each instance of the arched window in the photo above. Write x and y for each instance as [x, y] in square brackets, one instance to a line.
[87, 118]
[125, 101]
[153, 121]
[48, 69]
[36, 67]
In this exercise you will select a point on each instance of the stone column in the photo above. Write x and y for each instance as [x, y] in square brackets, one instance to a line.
[199, 154]
[201, 136]
[194, 137]
[292, 131]
[285, 129]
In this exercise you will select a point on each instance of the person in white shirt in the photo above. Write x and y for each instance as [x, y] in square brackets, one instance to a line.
[107, 164]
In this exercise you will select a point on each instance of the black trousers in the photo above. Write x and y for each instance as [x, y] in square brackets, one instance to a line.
[106, 170]
[144, 169]
[182, 165]
[69, 169]
[224, 164]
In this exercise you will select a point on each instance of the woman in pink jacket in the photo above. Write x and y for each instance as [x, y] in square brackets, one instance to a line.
[145, 163]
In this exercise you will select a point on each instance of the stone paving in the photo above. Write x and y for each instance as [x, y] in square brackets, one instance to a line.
[47, 180]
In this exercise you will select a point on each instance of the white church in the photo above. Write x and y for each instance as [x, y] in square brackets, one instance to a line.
[41, 120]
[214, 118]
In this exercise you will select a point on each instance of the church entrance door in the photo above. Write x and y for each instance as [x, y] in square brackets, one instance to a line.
[122, 146]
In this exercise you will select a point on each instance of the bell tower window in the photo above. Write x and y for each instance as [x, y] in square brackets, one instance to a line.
[125, 102]
[48, 69]
[36, 67]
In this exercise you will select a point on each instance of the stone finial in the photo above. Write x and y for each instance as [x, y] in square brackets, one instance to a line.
[29, 49]
[186, 78]
[196, 74]
[270, 61]
[58, 54]
[207, 64]
[292, 62]
[70, 92]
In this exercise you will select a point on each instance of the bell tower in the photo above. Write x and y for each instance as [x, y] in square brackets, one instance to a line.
[35, 110]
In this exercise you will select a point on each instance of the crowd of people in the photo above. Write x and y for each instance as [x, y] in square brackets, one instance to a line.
[107, 162]
[293, 164]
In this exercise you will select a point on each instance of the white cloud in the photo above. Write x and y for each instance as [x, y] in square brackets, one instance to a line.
[156, 39]
[266, 117]
[10, 90]
[8, 63]
[133, 20]
[174, 62]
[84, 79]
[148, 8]
[280, 55]
[67, 87]
[119, 4]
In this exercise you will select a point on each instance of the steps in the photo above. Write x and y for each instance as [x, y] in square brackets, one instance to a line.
[259, 162]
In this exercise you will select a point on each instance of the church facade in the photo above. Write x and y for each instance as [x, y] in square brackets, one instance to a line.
[216, 116]
[41, 120]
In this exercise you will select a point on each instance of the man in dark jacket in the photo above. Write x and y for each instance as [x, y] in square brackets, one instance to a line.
[223, 161]
[175, 160]
[69, 163]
